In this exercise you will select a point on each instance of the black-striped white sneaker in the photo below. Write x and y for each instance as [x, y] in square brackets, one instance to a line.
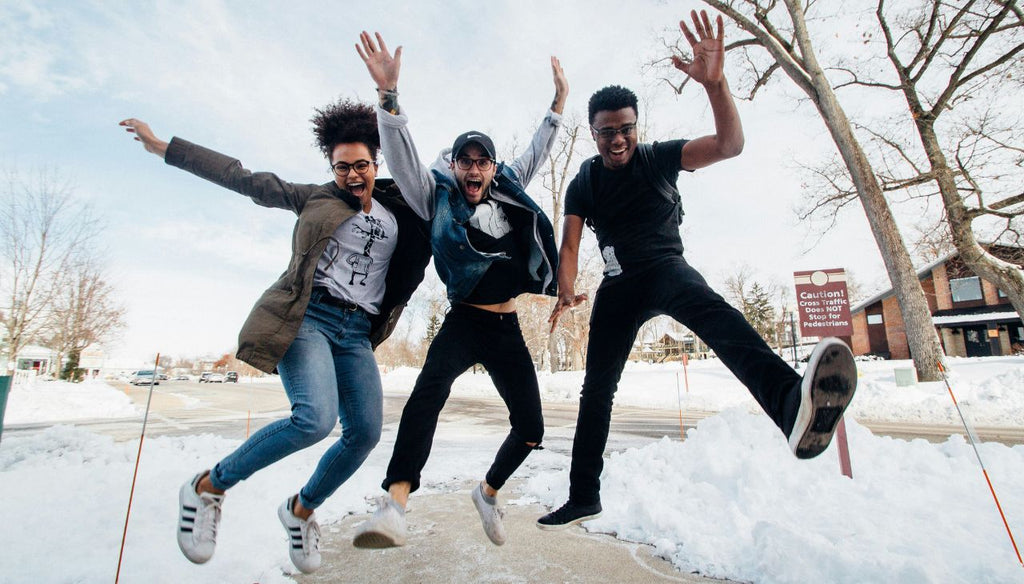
[198, 517]
[303, 538]
[825, 391]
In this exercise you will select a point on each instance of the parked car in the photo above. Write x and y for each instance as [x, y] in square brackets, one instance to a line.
[144, 378]
[180, 378]
[163, 377]
[215, 378]
[231, 376]
[205, 377]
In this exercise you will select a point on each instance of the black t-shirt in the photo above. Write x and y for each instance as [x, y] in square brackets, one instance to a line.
[636, 225]
[504, 279]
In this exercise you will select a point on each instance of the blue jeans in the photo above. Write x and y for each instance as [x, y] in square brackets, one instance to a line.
[329, 373]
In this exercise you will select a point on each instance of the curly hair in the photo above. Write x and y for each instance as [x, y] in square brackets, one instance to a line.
[611, 98]
[345, 122]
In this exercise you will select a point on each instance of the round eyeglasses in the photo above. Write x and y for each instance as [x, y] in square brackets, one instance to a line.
[343, 168]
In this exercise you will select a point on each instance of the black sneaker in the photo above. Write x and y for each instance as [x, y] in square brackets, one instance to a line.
[825, 391]
[569, 514]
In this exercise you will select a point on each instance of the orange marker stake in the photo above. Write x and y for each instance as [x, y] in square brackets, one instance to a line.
[679, 396]
[970, 436]
[131, 494]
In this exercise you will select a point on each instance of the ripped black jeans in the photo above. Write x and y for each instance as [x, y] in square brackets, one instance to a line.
[469, 336]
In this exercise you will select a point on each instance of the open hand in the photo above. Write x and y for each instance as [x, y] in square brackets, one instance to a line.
[562, 304]
[382, 66]
[561, 86]
[708, 49]
[145, 135]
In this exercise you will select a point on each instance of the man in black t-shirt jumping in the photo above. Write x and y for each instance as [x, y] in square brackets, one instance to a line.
[621, 193]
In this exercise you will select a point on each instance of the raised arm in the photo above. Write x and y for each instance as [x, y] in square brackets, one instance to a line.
[706, 68]
[530, 161]
[412, 177]
[264, 188]
[568, 266]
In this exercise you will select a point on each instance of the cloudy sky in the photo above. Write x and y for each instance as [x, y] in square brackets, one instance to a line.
[189, 258]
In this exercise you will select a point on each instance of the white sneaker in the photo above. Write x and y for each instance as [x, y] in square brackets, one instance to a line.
[490, 515]
[825, 391]
[386, 528]
[198, 517]
[303, 538]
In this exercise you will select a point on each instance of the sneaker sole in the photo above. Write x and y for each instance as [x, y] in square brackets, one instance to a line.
[375, 540]
[562, 526]
[823, 398]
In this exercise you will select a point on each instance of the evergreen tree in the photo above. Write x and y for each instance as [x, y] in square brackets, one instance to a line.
[433, 325]
[759, 312]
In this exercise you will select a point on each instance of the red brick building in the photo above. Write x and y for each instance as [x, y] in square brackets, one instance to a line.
[972, 316]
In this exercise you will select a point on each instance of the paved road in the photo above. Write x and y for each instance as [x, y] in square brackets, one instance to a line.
[229, 409]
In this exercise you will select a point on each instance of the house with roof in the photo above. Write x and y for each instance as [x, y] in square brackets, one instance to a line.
[671, 346]
[972, 316]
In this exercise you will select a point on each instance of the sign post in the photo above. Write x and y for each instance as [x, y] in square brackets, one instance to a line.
[824, 307]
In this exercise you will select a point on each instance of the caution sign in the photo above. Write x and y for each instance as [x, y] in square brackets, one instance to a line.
[823, 303]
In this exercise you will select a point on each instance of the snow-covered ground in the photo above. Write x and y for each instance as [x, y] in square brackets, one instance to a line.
[730, 501]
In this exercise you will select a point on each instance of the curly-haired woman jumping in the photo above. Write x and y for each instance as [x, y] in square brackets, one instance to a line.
[358, 252]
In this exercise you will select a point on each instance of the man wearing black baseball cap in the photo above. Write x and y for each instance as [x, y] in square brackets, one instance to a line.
[491, 242]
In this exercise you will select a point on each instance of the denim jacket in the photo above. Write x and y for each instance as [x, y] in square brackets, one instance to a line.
[459, 265]
[434, 195]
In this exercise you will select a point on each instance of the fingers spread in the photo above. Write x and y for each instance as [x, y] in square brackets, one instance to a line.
[686, 33]
[707, 23]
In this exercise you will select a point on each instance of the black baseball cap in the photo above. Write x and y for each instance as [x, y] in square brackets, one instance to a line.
[470, 137]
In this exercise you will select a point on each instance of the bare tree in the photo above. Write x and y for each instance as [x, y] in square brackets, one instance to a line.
[779, 29]
[83, 310]
[969, 46]
[43, 227]
[555, 179]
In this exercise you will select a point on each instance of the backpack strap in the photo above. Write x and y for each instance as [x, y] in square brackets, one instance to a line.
[585, 186]
[667, 190]
[646, 153]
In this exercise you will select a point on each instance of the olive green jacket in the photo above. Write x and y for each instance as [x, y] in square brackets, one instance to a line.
[275, 319]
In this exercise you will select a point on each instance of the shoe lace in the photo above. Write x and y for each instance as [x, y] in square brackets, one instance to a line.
[564, 512]
[382, 502]
[310, 537]
[209, 516]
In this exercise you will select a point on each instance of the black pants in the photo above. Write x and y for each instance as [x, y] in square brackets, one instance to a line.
[468, 336]
[678, 290]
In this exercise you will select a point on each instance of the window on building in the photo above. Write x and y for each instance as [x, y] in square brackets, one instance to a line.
[1000, 292]
[874, 319]
[966, 289]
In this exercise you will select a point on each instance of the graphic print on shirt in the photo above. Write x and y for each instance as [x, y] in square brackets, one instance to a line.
[611, 263]
[360, 263]
[489, 218]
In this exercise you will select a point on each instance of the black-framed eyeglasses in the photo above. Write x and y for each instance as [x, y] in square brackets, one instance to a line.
[466, 163]
[343, 168]
[609, 133]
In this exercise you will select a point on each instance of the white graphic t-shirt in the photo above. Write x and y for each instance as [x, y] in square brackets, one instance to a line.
[489, 218]
[355, 262]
